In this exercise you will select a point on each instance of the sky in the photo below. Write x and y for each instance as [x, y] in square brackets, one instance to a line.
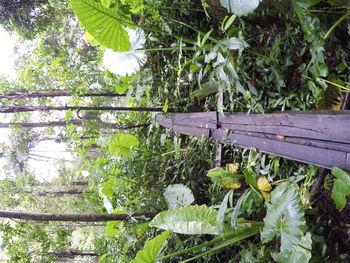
[7, 45]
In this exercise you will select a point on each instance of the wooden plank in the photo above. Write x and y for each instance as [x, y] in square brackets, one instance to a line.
[163, 121]
[193, 131]
[183, 129]
[206, 120]
[336, 146]
[321, 157]
[335, 128]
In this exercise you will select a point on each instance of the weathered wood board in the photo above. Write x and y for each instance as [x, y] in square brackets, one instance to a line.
[325, 127]
[318, 138]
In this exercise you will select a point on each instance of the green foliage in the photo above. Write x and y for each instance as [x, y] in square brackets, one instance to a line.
[227, 178]
[152, 249]
[341, 187]
[301, 253]
[191, 220]
[123, 84]
[108, 187]
[123, 144]
[110, 31]
[220, 219]
[112, 228]
[272, 60]
[30, 18]
[284, 217]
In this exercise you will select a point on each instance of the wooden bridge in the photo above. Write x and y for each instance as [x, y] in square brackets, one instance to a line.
[320, 138]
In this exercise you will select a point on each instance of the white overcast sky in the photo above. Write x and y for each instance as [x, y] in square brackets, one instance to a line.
[6, 54]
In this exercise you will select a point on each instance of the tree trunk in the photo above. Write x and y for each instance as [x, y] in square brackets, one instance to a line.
[65, 225]
[80, 183]
[29, 95]
[24, 108]
[101, 125]
[71, 254]
[54, 193]
[41, 124]
[73, 217]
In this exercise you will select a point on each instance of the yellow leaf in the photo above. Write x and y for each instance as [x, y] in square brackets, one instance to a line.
[235, 185]
[263, 184]
[265, 195]
[331, 99]
[232, 168]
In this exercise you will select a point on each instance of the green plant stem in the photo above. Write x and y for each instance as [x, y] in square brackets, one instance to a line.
[342, 88]
[229, 242]
[194, 29]
[179, 9]
[175, 151]
[166, 49]
[278, 182]
[190, 61]
[212, 242]
[335, 25]
[181, 38]
[229, 237]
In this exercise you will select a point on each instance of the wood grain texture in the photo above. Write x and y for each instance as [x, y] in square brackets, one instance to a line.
[326, 127]
[320, 138]
[307, 154]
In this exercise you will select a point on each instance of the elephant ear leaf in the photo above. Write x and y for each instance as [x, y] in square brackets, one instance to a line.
[301, 253]
[190, 220]
[240, 7]
[104, 24]
[284, 217]
[178, 195]
[151, 250]
[122, 144]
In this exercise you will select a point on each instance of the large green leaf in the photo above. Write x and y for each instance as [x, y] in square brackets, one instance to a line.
[108, 187]
[113, 228]
[190, 220]
[220, 219]
[178, 195]
[122, 144]
[123, 84]
[285, 217]
[341, 187]
[240, 7]
[301, 253]
[104, 24]
[151, 249]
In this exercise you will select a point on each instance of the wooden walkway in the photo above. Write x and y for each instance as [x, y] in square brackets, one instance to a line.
[320, 138]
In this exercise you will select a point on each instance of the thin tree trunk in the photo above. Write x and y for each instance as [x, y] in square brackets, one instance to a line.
[24, 108]
[41, 124]
[102, 125]
[51, 158]
[71, 254]
[54, 193]
[73, 217]
[66, 225]
[80, 183]
[29, 95]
